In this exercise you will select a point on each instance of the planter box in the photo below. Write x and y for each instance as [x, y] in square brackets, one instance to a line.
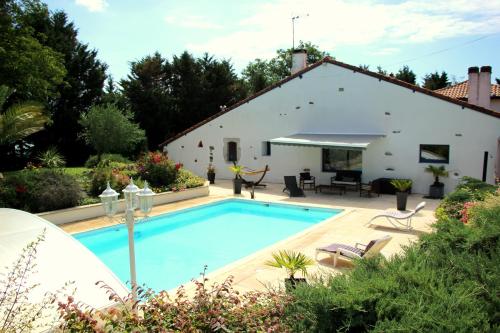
[80, 213]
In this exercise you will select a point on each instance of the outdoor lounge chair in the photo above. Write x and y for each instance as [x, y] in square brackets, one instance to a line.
[399, 219]
[358, 251]
[292, 188]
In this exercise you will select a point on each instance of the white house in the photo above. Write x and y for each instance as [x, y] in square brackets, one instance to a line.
[331, 116]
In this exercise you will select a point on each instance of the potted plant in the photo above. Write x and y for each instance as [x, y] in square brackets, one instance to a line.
[211, 173]
[436, 190]
[237, 181]
[292, 262]
[402, 186]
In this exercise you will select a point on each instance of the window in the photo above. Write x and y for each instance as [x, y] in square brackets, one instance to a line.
[232, 151]
[341, 159]
[434, 154]
[266, 148]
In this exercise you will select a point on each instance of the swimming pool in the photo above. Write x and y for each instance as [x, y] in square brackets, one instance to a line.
[173, 248]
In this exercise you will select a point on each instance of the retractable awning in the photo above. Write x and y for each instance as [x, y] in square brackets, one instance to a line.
[351, 141]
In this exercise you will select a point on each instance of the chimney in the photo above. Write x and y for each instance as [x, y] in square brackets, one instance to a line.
[484, 89]
[472, 93]
[299, 60]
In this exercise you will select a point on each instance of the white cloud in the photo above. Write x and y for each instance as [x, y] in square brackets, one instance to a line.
[384, 51]
[192, 22]
[93, 5]
[343, 22]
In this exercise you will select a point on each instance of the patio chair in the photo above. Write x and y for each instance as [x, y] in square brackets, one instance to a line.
[358, 251]
[292, 188]
[307, 179]
[399, 219]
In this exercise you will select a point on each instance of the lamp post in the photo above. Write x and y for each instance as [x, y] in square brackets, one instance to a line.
[133, 197]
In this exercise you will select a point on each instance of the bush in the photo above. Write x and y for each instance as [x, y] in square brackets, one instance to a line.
[219, 308]
[157, 169]
[93, 160]
[113, 173]
[187, 179]
[447, 282]
[468, 190]
[39, 190]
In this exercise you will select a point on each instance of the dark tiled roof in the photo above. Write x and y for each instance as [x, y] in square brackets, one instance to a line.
[461, 89]
[355, 69]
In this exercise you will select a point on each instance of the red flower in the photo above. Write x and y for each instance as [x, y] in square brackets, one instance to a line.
[21, 189]
[178, 166]
[465, 211]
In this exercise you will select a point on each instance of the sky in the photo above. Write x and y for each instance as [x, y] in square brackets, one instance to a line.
[428, 36]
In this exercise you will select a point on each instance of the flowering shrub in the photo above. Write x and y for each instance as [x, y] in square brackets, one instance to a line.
[465, 212]
[117, 174]
[218, 308]
[157, 169]
[39, 190]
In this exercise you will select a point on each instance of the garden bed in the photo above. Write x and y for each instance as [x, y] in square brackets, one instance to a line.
[79, 213]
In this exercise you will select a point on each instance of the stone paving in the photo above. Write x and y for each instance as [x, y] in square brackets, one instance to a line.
[349, 227]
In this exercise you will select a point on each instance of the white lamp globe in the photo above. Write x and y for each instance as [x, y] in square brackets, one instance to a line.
[145, 197]
[109, 199]
[130, 193]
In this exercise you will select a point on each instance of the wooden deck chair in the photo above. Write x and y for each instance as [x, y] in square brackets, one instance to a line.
[399, 219]
[358, 251]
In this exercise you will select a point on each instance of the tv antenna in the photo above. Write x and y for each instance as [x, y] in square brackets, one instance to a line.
[295, 17]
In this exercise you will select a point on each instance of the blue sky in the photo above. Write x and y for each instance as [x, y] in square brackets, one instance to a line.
[426, 35]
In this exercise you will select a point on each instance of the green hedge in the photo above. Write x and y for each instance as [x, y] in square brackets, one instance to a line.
[447, 282]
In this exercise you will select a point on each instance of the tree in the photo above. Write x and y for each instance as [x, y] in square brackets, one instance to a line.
[435, 80]
[168, 97]
[83, 82]
[109, 130]
[365, 67]
[20, 120]
[261, 73]
[32, 69]
[407, 75]
[498, 80]
[381, 71]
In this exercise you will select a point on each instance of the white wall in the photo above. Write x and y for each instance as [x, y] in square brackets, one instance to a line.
[359, 108]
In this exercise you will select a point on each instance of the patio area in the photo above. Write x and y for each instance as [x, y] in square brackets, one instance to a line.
[250, 273]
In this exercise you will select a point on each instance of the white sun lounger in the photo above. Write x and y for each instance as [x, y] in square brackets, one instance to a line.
[399, 219]
[336, 250]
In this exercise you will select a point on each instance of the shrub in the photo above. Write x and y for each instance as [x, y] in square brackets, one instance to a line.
[93, 160]
[51, 158]
[39, 190]
[117, 178]
[449, 281]
[157, 169]
[219, 308]
[468, 190]
[187, 179]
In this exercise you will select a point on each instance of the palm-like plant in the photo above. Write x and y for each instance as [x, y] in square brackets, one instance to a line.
[402, 185]
[237, 170]
[51, 158]
[20, 120]
[437, 172]
[291, 261]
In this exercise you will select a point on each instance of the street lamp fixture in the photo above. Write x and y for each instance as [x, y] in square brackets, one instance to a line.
[134, 197]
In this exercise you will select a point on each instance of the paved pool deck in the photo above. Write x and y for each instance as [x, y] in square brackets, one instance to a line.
[250, 273]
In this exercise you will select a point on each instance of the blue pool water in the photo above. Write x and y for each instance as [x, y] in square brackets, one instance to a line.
[173, 248]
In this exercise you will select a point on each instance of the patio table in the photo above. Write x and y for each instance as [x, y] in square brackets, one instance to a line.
[332, 189]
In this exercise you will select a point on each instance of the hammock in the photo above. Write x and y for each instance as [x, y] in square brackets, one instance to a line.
[251, 172]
